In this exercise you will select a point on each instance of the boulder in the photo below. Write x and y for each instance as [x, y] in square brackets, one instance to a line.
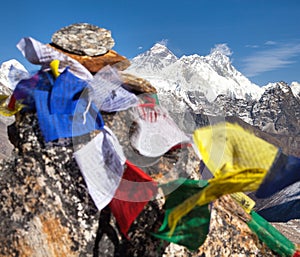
[136, 84]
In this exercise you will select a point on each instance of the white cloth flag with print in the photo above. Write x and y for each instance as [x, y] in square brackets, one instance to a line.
[157, 133]
[107, 91]
[101, 163]
[41, 54]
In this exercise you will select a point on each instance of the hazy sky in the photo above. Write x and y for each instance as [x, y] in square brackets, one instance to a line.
[263, 36]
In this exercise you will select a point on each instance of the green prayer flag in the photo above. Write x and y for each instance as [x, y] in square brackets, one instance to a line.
[192, 229]
[271, 236]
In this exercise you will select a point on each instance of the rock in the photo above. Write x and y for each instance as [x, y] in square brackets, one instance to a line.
[95, 63]
[135, 84]
[228, 219]
[5, 146]
[45, 206]
[83, 39]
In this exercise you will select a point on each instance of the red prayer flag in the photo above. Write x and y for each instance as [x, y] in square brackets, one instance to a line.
[296, 254]
[133, 193]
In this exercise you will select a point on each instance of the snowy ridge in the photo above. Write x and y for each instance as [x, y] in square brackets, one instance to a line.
[5, 69]
[295, 86]
[211, 75]
[278, 85]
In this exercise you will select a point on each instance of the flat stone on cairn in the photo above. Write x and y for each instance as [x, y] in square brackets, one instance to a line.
[83, 39]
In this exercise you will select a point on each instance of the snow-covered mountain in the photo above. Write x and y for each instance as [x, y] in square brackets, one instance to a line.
[11, 72]
[211, 75]
[295, 86]
[211, 85]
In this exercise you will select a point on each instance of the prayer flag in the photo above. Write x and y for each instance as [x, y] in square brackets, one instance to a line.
[107, 91]
[66, 90]
[284, 172]
[60, 110]
[134, 192]
[24, 90]
[271, 236]
[38, 53]
[192, 229]
[101, 163]
[157, 133]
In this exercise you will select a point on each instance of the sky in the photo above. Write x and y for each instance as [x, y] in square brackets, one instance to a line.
[263, 36]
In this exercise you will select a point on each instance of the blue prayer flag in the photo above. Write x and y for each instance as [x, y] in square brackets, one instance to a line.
[285, 171]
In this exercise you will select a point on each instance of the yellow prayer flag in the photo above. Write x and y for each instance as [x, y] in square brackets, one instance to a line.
[5, 111]
[3, 98]
[243, 200]
[227, 147]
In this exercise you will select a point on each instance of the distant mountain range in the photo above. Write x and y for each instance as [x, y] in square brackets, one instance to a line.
[211, 85]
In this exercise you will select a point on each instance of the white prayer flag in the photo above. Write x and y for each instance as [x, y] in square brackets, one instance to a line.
[101, 163]
[107, 91]
[157, 133]
[41, 54]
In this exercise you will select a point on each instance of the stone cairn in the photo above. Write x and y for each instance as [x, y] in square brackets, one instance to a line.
[46, 210]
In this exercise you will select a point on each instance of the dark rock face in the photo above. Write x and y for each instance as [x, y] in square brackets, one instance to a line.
[278, 109]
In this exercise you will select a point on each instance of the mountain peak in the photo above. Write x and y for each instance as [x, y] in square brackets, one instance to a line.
[218, 57]
[153, 60]
[162, 51]
[159, 47]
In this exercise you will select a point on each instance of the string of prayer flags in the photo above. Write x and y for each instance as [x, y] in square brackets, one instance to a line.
[134, 192]
[192, 229]
[156, 132]
[284, 172]
[101, 163]
[41, 54]
[107, 91]
[238, 159]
